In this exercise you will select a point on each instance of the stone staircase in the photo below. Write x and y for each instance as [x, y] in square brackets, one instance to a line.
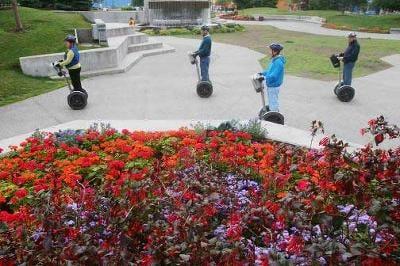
[131, 47]
[126, 48]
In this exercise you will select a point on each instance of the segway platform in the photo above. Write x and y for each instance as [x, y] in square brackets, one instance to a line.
[204, 88]
[77, 100]
[265, 113]
[345, 93]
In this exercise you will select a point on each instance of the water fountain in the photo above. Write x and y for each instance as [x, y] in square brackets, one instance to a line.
[177, 13]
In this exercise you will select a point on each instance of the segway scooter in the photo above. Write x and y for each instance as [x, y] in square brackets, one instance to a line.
[345, 93]
[204, 88]
[265, 114]
[77, 100]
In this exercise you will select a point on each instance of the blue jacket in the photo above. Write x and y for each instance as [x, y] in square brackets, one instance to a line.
[205, 47]
[275, 71]
[75, 60]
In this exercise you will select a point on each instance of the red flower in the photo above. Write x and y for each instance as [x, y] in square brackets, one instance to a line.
[21, 193]
[378, 139]
[324, 141]
[295, 245]
[302, 185]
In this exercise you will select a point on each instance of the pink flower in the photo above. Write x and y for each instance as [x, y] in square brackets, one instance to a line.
[324, 141]
[302, 185]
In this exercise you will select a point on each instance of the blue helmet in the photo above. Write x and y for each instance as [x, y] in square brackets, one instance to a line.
[70, 38]
[276, 47]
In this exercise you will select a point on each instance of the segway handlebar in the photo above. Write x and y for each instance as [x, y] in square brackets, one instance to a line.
[258, 82]
[192, 58]
[58, 68]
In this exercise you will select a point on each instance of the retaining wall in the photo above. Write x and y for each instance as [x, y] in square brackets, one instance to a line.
[311, 19]
[276, 132]
[114, 16]
[91, 60]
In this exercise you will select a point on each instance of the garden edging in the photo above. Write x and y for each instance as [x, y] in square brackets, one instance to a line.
[285, 134]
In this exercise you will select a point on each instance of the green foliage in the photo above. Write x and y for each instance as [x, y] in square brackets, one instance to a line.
[58, 4]
[335, 4]
[137, 2]
[255, 3]
[227, 28]
[388, 4]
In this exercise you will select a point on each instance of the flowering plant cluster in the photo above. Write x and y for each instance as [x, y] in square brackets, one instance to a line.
[190, 197]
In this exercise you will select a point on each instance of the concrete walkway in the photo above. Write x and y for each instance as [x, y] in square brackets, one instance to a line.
[163, 87]
[315, 28]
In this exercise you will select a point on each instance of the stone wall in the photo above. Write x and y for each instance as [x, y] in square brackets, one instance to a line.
[91, 60]
[114, 16]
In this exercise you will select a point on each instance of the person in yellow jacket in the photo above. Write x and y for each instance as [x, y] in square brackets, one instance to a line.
[71, 62]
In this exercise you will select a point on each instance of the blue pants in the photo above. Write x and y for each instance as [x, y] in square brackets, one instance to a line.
[204, 65]
[348, 73]
[273, 98]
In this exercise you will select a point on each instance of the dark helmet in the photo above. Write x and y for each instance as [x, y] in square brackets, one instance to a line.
[276, 47]
[352, 35]
[70, 38]
[205, 28]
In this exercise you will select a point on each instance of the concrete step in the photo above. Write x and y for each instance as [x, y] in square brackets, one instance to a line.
[129, 61]
[144, 46]
[135, 38]
[120, 31]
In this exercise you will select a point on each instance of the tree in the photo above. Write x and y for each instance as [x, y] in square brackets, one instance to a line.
[255, 3]
[336, 4]
[387, 4]
[18, 22]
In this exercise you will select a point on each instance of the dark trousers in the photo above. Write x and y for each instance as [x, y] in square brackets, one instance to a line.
[75, 76]
[348, 73]
[204, 65]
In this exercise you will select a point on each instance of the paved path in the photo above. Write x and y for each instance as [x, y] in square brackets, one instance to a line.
[163, 87]
[315, 28]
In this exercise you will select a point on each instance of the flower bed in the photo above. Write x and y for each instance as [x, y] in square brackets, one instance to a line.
[196, 197]
[361, 29]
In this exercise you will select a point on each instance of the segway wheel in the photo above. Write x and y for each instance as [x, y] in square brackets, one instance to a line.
[263, 111]
[273, 117]
[337, 87]
[85, 92]
[345, 93]
[77, 100]
[204, 89]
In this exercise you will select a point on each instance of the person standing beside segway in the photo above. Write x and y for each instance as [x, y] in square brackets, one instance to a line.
[71, 63]
[349, 58]
[204, 53]
[274, 76]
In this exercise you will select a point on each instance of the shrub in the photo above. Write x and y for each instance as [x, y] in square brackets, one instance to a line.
[228, 28]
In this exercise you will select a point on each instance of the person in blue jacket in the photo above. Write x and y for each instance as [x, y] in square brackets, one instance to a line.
[71, 62]
[349, 58]
[204, 53]
[274, 76]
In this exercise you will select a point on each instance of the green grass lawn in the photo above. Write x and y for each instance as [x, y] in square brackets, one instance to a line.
[44, 33]
[354, 22]
[307, 54]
